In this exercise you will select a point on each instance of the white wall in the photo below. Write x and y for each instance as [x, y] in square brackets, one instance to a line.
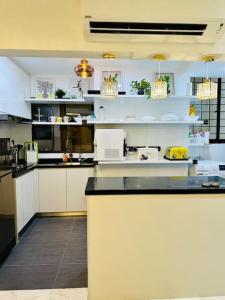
[14, 87]
[64, 82]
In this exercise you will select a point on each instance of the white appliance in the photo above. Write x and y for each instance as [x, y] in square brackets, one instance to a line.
[209, 168]
[109, 144]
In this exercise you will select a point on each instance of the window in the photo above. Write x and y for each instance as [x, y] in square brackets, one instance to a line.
[212, 112]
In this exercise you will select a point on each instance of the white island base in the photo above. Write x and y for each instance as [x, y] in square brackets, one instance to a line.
[156, 246]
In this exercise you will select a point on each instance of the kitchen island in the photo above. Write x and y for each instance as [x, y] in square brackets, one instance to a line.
[155, 237]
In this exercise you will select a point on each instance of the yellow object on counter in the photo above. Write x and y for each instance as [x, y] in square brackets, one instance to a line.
[192, 110]
[177, 153]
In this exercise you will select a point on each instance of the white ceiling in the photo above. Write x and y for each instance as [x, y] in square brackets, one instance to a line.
[65, 66]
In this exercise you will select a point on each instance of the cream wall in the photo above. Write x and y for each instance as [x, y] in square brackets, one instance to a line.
[16, 131]
[56, 26]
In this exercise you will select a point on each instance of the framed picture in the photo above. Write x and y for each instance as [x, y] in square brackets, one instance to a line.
[118, 74]
[45, 88]
[169, 78]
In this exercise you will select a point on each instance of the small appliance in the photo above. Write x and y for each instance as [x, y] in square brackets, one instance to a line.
[148, 153]
[109, 144]
[208, 168]
[176, 153]
[31, 152]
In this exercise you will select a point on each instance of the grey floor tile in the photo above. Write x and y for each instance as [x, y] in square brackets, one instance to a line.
[43, 239]
[27, 277]
[48, 252]
[51, 228]
[35, 261]
[72, 276]
[76, 251]
[79, 231]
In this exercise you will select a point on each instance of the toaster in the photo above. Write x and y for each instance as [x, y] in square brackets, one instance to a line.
[176, 153]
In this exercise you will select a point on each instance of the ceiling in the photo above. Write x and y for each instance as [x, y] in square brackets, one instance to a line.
[57, 28]
[65, 66]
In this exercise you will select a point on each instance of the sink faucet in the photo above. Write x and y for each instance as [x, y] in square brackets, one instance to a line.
[80, 158]
[71, 156]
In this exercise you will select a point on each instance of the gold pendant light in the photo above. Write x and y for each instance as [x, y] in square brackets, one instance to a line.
[208, 89]
[159, 86]
[108, 56]
[84, 70]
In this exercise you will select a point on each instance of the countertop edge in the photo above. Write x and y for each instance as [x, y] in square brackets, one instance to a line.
[156, 192]
[48, 166]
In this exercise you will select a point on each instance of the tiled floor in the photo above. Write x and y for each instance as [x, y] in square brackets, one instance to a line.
[51, 254]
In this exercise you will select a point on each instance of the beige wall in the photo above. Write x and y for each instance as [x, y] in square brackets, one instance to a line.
[55, 27]
[156, 246]
[19, 132]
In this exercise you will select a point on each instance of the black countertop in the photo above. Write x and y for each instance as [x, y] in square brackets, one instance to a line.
[25, 168]
[152, 185]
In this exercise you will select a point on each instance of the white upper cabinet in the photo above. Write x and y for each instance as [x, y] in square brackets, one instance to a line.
[14, 88]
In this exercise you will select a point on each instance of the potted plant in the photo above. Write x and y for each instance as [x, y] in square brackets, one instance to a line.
[142, 88]
[59, 94]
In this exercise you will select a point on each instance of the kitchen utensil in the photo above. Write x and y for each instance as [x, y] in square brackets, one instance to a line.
[151, 153]
[169, 117]
[52, 119]
[148, 118]
[78, 119]
[130, 118]
[59, 119]
[66, 119]
[191, 118]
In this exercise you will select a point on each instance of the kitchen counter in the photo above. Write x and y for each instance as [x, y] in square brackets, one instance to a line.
[152, 185]
[165, 234]
[4, 172]
[148, 161]
[51, 164]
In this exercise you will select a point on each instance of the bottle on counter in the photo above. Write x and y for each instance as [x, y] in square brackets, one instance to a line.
[65, 157]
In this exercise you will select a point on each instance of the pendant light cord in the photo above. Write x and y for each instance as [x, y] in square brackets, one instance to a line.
[159, 69]
[207, 70]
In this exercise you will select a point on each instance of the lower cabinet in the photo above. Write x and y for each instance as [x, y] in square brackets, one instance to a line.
[75, 186]
[25, 199]
[52, 190]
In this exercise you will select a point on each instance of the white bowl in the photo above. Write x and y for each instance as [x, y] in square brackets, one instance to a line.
[191, 118]
[148, 118]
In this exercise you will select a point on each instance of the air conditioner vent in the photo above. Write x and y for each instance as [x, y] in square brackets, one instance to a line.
[147, 28]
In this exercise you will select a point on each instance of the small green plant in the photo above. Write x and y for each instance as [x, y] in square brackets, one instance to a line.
[60, 94]
[111, 78]
[142, 88]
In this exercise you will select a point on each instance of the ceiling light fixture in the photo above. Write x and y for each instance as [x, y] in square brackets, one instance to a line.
[159, 86]
[208, 89]
[84, 70]
[108, 56]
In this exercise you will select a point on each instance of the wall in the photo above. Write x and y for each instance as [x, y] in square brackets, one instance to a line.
[14, 87]
[64, 82]
[15, 131]
[55, 26]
